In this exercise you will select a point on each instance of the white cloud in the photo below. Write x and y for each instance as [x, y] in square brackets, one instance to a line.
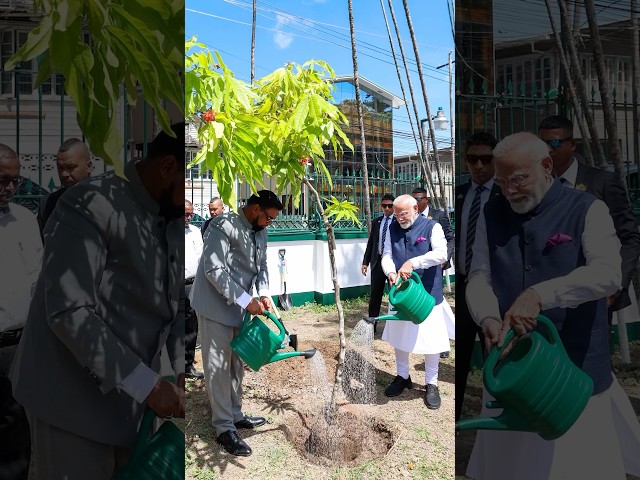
[283, 39]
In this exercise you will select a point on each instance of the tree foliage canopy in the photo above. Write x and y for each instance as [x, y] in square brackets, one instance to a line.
[132, 42]
[265, 129]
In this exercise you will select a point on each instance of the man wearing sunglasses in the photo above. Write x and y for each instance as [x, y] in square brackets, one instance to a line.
[234, 260]
[373, 254]
[20, 256]
[470, 200]
[422, 197]
[557, 132]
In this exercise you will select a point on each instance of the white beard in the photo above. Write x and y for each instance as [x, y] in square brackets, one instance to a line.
[408, 224]
[531, 201]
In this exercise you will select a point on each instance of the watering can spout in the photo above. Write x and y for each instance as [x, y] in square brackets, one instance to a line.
[504, 421]
[282, 355]
[386, 318]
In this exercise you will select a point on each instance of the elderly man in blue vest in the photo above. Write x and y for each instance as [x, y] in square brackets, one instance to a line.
[416, 243]
[548, 249]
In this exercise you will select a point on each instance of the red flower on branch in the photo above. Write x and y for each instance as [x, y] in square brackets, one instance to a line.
[209, 116]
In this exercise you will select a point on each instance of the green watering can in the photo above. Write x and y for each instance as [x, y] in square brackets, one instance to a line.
[160, 455]
[256, 344]
[538, 387]
[410, 299]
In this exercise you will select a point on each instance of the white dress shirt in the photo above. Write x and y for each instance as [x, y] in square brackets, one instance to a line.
[21, 259]
[570, 174]
[192, 250]
[388, 219]
[464, 221]
[600, 277]
[436, 256]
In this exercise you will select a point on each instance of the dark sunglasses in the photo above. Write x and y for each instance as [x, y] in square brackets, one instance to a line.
[485, 159]
[188, 215]
[15, 181]
[557, 142]
[419, 199]
[387, 205]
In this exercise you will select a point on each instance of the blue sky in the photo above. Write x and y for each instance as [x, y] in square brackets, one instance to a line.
[319, 29]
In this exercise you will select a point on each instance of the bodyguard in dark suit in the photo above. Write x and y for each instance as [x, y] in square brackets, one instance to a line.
[372, 254]
[557, 132]
[479, 160]
[422, 197]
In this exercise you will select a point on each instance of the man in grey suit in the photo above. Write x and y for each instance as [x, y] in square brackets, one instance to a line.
[557, 132]
[105, 304]
[234, 260]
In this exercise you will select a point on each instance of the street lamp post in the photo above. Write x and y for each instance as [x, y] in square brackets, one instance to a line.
[440, 122]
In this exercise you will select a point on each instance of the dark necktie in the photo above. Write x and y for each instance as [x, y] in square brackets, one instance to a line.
[384, 234]
[474, 213]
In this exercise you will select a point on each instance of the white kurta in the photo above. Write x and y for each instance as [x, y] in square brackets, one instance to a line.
[449, 319]
[602, 444]
[430, 336]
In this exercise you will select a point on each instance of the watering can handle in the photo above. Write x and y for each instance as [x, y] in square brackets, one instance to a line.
[414, 276]
[146, 427]
[496, 352]
[273, 318]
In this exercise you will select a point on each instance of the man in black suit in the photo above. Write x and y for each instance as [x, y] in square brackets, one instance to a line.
[421, 196]
[557, 132]
[372, 254]
[479, 160]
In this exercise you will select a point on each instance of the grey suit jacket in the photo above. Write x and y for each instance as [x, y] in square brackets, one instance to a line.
[234, 259]
[106, 300]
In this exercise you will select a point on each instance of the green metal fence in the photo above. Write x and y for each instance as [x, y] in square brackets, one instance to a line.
[522, 107]
[38, 121]
[346, 185]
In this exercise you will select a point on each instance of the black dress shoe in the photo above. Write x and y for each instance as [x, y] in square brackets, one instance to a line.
[250, 422]
[444, 355]
[397, 386]
[432, 397]
[191, 372]
[233, 444]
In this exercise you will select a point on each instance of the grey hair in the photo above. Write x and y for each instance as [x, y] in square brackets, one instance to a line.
[522, 144]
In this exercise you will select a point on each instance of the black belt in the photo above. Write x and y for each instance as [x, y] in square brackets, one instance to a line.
[10, 337]
[189, 281]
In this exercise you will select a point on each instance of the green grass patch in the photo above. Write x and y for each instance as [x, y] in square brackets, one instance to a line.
[365, 471]
[204, 474]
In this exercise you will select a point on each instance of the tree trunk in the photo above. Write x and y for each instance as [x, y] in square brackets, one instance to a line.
[578, 112]
[404, 96]
[356, 83]
[426, 169]
[578, 79]
[614, 153]
[253, 43]
[426, 104]
[331, 243]
[635, 62]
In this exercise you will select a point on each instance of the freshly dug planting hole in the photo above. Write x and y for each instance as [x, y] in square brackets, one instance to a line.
[347, 440]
